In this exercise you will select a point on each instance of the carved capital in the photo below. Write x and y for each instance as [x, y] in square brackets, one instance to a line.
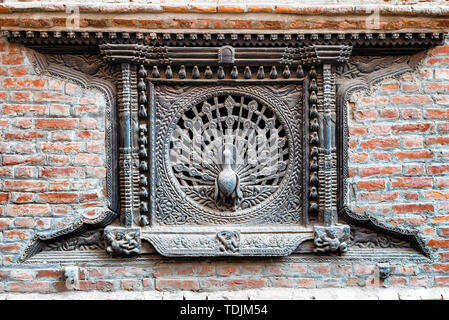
[331, 239]
[122, 241]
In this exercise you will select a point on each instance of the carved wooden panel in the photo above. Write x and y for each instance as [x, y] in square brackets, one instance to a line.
[228, 144]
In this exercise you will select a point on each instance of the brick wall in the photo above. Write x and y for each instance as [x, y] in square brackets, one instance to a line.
[52, 146]
[53, 166]
[399, 150]
[53, 162]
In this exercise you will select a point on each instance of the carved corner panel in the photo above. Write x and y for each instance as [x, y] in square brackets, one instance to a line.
[227, 144]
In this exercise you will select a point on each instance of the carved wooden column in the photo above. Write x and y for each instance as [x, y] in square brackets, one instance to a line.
[331, 236]
[126, 240]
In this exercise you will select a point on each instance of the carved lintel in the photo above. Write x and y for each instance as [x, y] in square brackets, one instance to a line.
[333, 239]
[123, 242]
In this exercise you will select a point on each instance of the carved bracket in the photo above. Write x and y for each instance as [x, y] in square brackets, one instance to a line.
[334, 239]
[122, 242]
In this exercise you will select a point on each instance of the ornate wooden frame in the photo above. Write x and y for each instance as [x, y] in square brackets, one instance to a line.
[328, 66]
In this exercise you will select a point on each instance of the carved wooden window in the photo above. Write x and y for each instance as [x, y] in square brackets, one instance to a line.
[228, 144]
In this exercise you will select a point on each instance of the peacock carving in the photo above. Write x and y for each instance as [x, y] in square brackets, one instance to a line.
[227, 184]
[229, 153]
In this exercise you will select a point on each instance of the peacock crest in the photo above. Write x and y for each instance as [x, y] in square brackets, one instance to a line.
[229, 153]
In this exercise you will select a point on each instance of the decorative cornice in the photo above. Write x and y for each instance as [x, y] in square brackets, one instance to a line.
[380, 42]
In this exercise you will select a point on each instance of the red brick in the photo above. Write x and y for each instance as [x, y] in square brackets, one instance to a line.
[35, 286]
[358, 130]
[389, 113]
[372, 171]
[61, 146]
[44, 96]
[364, 115]
[24, 135]
[9, 160]
[441, 281]
[56, 123]
[23, 197]
[412, 208]
[19, 83]
[27, 222]
[14, 109]
[319, 269]
[53, 274]
[411, 196]
[439, 243]
[18, 71]
[226, 270]
[5, 172]
[3, 197]
[390, 87]
[374, 101]
[438, 169]
[27, 209]
[88, 159]
[442, 182]
[405, 100]
[12, 59]
[440, 50]
[437, 113]
[85, 109]
[20, 95]
[414, 169]
[377, 197]
[305, 283]
[415, 182]
[51, 172]
[437, 140]
[382, 156]
[380, 143]
[59, 110]
[24, 185]
[413, 141]
[58, 197]
[359, 157]
[411, 113]
[439, 219]
[413, 127]
[410, 87]
[440, 195]
[17, 234]
[443, 127]
[177, 284]
[414, 154]
[382, 129]
[87, 285]
[24, 123]
[372, 184]
[9, 248]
